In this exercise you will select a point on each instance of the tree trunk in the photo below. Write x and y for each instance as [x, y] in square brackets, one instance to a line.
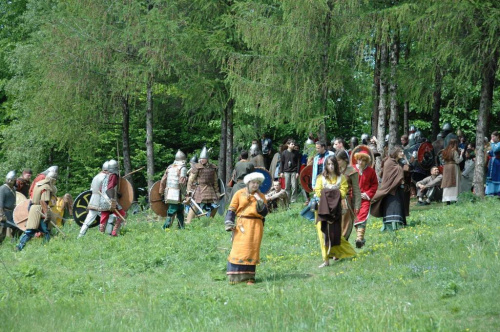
[149, 135]
[376, 90]
[393, 90]
[127, 165]
[436, 104]
[327, 30]
[485, 103]
[229, 139]
[406, 117]
[382, 107]
[223, 146]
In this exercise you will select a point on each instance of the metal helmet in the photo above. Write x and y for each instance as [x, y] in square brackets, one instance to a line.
[254, 150]
[387, 138]
[309, 141]
[204, 153]
[180, 156]
[412, 129]
[54, 169]
[51, 175]
[105, 166]
[113, 166]
[365, 137]
[10, 176]
[354, 141]
[417, 135]
[447, 127]
[194, 159]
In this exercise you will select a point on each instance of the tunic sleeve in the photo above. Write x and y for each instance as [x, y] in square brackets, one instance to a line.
[319, 186]
[344, 186]
[356, 192]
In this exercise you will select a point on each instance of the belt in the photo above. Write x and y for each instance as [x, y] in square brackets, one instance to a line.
[250, 217]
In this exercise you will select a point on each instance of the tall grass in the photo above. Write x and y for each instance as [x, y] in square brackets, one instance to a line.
[440, 274]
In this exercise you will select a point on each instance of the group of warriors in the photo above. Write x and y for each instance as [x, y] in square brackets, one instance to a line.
[339, 182]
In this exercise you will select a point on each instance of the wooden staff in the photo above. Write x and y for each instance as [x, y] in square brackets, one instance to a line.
[137, 170]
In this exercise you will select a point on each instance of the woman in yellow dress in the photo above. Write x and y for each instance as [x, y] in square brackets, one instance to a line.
[331, 188]
[245, 218]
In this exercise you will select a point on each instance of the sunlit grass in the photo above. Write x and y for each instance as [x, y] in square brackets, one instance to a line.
[439, 273]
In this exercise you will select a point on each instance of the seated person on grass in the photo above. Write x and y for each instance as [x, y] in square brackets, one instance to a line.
[429, 189]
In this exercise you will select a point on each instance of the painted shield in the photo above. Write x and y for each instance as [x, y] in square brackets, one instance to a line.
[306, 178]
[268, 180]
[222, 200]
[425, 155]
[20, 198]
[127, 194]
[20, 214]
[80, 208]
[156, 200]
[365, 149]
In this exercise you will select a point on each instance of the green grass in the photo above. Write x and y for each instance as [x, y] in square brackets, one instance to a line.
[438, 274]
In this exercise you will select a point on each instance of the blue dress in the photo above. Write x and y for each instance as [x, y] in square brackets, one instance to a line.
[493, 175]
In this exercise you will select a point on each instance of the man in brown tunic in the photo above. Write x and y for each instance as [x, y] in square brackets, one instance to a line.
[203, 187]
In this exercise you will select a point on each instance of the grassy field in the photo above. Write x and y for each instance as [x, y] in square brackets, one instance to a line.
[439, 274]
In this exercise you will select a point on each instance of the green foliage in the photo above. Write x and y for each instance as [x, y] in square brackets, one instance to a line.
[428, 276]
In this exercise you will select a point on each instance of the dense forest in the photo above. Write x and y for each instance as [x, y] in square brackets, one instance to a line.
[82, 81]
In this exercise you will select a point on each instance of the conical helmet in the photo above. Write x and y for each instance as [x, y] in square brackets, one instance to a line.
[11, 176]
[194, 159]
[105, 166]
[254, 150]
[309, 141]
[113, 166]
[204, 153]
[180, 156]
[51, 175]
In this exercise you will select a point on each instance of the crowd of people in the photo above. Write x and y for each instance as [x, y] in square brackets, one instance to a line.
[341, 189]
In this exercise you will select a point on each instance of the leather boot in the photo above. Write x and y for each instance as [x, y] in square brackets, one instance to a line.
[360, 237]
[116, 228]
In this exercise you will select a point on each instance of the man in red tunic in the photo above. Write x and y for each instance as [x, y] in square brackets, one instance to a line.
[368, 184]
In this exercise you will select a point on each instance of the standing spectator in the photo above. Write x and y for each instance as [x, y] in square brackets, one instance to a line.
[468, 172]
[290, 163]
[451, 172]
[241, 169]
[493, 175]
[339, 144]
[389, 200]
[318, 162]
[267, 147]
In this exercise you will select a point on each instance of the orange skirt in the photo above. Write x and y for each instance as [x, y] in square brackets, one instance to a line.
[247, 237]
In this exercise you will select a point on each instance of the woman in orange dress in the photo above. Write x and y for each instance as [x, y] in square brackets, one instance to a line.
[245, 219]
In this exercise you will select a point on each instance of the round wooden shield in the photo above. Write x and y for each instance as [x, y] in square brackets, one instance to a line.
[268, 180]
[20, 214]
[425, 155]
[156, 202]
[80, 208]
[20, 198]
[306, 178]
[127, 194]
[362, 148]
